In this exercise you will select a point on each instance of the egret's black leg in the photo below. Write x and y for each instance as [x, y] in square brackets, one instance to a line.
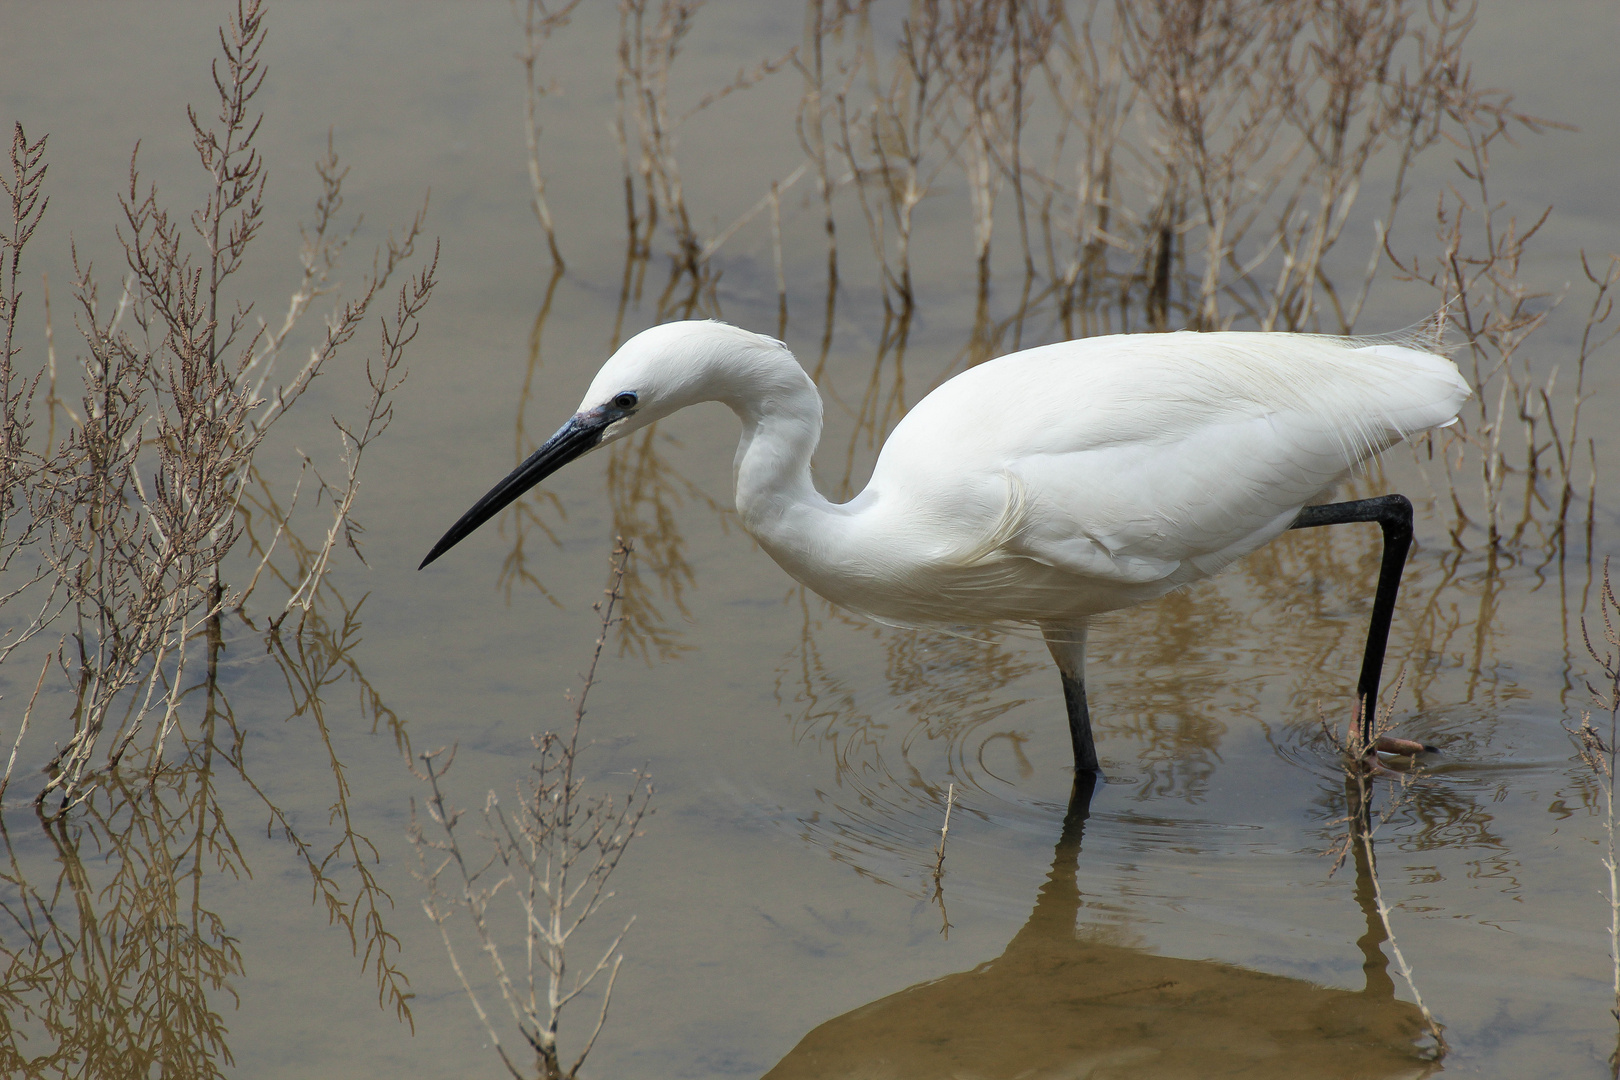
[1085, 748]
[1394, 515]
[1067, 643]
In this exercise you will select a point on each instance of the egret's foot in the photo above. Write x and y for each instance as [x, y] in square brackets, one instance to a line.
[1372, 763]
[1388, 744]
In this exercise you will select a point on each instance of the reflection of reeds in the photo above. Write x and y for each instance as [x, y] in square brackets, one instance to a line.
[523, 516]
[553, 855]
[120, 974]
[318, 656]
[880, 812]
[1356, 751]
[539, 22]
[115, 959]
[645, 491]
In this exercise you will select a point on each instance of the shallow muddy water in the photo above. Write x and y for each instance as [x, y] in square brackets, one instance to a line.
[788, 919]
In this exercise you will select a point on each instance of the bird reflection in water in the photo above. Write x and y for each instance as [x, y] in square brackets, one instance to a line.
[1059, 1002]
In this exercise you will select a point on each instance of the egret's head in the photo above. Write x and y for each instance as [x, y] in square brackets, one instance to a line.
[649, 377]
[653, 374]
[666, 368]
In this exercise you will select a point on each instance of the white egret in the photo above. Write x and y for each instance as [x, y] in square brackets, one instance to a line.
[1046, 486]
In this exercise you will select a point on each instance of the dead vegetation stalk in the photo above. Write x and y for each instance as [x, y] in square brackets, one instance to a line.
[552, 855]
[1206, 164]
[1597, 752]
[1361, 766]
[939, 864]
[120, 527]
[944, 830]
[539, 21]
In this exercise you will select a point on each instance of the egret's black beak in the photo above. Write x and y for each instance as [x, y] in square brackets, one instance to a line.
[579, 435]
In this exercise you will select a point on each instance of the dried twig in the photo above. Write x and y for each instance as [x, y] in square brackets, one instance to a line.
[539, 21]
[1357, 755]
[553, 855]
[131, 513]
[939, 864]
[944, 830]
[1597, 753]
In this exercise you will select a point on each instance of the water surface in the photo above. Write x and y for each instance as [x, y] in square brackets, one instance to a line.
[787, 920]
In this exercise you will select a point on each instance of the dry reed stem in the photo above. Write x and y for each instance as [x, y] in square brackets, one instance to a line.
[539, 22]
[647, 51]
[939, 864]
[22, 728]
[1357, 756]
[1598, 755]
[1236, 133]
[811, 121]
[553, 856]
[944, 830]
[26, 477]
[131, 513]
[385, 375]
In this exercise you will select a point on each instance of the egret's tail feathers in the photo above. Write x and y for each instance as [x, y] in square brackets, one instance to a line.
[1427, 336]
[1432, 390]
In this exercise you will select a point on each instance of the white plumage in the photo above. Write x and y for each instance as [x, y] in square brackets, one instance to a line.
[1041, 487]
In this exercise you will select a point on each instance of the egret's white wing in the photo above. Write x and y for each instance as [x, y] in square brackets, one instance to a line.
[1135, 458]
[1137, 512]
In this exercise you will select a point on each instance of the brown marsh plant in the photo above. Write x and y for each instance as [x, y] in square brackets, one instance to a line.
[1207, 164]
[21, 466]
[539, 21]
[114, 954]
[551, 853]
[121, 527]
[1361, 765]
[648, 126]
[1597, 752]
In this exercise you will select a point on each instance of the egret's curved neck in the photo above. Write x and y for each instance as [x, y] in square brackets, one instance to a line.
[781, 417]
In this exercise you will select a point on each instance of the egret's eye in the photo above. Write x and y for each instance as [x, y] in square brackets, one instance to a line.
[626, 400]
